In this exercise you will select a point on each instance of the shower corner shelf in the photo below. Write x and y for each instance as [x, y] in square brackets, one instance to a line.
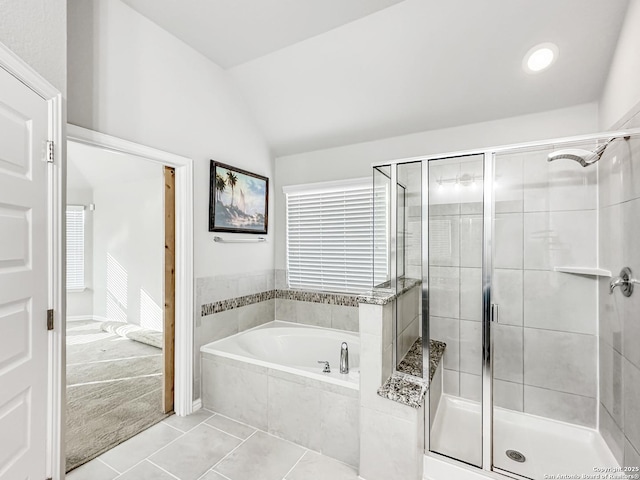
[598, 272]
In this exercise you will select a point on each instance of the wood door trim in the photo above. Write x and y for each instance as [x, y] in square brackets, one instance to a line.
[169, 287]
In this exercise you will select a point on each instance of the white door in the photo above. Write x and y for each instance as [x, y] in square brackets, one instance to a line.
[23, 281]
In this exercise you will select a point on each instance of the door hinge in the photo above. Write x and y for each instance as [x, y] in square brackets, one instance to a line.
[50, 319]
[50, 151]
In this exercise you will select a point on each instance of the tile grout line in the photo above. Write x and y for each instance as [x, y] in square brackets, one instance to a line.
[210, 471]
[222, 431]
[231, 451]
[192, 428]
[148, 457]
[172, 427]
[160, 468]
[295, 464]
[104, 463]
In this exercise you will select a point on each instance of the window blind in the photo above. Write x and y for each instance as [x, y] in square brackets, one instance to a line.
[75, 247]
[330, 234]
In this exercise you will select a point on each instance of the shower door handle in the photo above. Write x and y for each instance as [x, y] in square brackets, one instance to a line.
[495, 313]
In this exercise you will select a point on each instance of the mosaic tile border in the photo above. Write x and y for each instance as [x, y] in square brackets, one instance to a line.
[318, 297]
[232, 303]
[300, 295]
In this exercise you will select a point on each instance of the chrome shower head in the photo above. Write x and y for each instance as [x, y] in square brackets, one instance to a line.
[583, 157]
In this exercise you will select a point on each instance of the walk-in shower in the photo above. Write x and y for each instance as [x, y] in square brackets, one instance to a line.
[507, 243]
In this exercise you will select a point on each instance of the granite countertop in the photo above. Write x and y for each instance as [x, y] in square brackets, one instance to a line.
[382, 296]
[404, 389]
[405, 386]
[411, 364]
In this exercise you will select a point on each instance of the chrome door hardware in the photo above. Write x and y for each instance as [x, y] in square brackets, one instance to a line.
[625, 281]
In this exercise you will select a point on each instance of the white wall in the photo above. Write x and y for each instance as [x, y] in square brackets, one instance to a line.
[81, 303]
[128, 252]
[353, 161]
[36, 31]
[622, 89]
[131, 79]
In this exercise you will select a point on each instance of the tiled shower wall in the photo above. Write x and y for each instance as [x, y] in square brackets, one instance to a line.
[619, 340]
[545, 359]
[545, 353]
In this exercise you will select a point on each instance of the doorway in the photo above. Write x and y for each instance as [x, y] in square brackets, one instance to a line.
[176, 311]
[120, 296]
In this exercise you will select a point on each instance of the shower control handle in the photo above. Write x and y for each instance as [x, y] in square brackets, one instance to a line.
[327, 367]
[625, 281]
[495, 313]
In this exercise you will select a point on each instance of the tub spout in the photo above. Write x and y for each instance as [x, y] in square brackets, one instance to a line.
[344, 358]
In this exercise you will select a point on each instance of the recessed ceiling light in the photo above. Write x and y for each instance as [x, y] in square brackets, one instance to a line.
[540, 58]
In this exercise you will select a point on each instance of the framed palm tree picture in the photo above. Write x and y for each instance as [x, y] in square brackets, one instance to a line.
[238, 200]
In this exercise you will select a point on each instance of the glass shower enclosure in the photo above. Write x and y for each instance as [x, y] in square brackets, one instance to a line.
[504, 242]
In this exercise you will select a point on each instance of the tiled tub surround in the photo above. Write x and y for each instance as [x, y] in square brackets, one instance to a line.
[239, 301]
[619, 321]
[321, 309]
[228, 304]
[317, 309]
[313, 410]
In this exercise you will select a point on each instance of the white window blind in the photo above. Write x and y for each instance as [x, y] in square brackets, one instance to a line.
[330, 236]
[75, 247]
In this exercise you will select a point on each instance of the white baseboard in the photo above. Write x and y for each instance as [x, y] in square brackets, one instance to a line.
[197, 405]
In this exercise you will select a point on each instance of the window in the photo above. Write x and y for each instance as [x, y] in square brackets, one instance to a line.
[75, 247]
[330, 236]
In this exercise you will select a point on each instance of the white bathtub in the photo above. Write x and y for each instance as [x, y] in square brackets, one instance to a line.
[294, 348]
[269, 377]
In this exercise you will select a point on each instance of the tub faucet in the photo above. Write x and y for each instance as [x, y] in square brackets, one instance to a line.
[344, 358]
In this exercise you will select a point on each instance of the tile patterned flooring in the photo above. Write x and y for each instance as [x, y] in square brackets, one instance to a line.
[209, 446]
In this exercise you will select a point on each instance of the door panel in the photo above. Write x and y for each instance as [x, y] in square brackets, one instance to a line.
[23, 281]
[455, 233]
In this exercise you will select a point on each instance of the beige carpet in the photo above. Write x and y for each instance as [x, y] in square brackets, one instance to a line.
[114, 390]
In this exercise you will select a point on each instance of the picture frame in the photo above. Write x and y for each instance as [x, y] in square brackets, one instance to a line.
[238, 200]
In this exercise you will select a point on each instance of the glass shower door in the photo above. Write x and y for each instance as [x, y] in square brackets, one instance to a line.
[453, 216]
[545, 368]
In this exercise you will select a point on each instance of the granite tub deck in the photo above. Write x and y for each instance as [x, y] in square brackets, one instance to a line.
[403, 386]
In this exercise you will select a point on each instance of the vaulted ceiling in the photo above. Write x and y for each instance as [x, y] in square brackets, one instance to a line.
[323, 73]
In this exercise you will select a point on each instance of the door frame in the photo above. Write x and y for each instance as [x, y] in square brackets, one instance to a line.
[184, 304]
[56, 197]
